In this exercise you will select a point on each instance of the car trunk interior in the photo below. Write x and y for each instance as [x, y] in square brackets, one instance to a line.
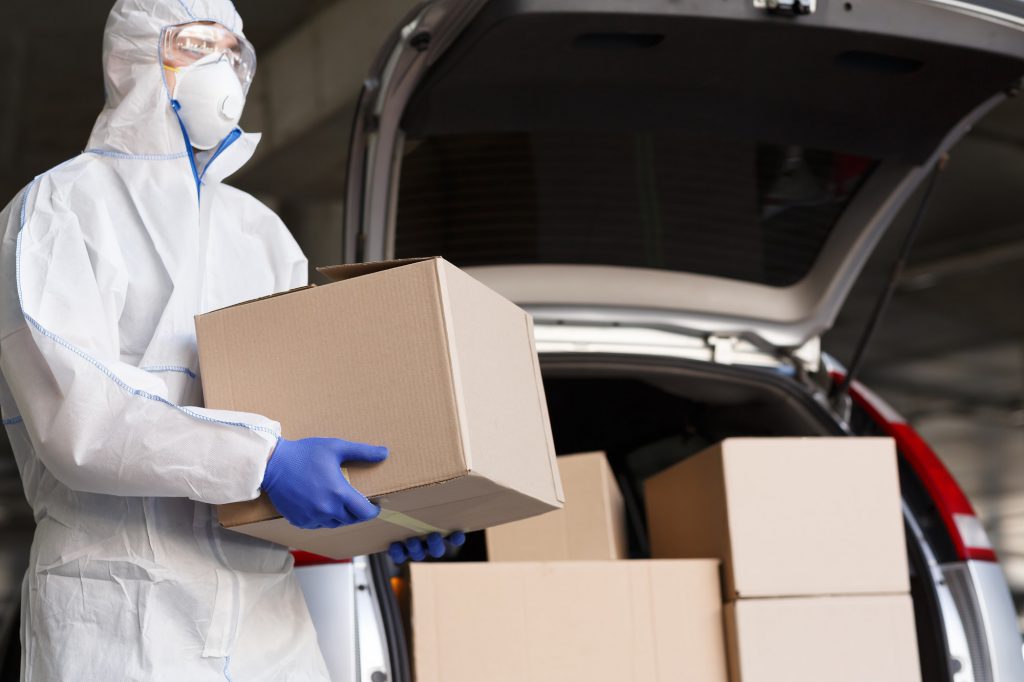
[647, 414]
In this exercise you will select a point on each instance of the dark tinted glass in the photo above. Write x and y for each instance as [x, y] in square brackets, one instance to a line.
[754, 212]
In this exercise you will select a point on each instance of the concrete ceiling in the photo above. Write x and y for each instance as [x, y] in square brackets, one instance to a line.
[950, 351]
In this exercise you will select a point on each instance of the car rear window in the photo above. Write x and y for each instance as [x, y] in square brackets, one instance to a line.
[754, 212]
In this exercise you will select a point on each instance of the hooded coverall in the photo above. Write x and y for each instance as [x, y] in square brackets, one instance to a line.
[105, 260]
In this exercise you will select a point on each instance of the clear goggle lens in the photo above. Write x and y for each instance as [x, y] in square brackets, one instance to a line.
[186, 44]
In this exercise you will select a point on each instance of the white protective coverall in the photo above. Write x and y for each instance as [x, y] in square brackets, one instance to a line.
[104, 262]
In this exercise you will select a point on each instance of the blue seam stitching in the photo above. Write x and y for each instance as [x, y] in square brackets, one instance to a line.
[13, 421]
[176, 105]
[137, 157]
[169, 368]
[96, 363]
[193, 18]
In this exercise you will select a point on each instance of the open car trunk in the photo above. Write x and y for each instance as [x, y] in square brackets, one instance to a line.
[693, 168]
[703, 165]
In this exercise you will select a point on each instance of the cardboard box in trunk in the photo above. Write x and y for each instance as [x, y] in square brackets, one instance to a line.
[415, 355]
[591, 526]
[810, 639]
[787, 516]
[602, 621]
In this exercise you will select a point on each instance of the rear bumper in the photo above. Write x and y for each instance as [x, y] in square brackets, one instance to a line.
[990, 625]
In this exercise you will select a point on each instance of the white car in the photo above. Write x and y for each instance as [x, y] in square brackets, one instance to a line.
[682, 192]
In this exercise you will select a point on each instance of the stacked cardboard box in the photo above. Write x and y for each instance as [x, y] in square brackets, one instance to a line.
[592, 525]
[599, 621]
[810, 535]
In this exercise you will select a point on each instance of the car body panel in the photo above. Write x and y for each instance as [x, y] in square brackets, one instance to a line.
[983, 598]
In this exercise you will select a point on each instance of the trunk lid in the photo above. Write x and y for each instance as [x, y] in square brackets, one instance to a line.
[696, 166]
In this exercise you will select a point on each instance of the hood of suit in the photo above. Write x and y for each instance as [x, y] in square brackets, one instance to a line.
[138, 118]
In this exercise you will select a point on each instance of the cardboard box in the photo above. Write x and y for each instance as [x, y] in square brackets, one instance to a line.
[591, 526]
[602, 621]
[415, 355]
[787, 516]
[810, 639]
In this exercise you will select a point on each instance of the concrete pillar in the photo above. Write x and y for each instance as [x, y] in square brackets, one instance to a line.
[317, 227]
[305, 94]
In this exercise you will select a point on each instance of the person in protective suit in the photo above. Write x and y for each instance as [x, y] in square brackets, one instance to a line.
[105, 261]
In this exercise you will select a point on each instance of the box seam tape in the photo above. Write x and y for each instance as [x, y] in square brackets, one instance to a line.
[401, 520]
[344, 471]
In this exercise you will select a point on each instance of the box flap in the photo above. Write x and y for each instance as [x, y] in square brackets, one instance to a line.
[339, 273]
[261, 298]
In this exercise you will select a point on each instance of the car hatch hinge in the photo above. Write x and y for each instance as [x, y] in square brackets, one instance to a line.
[749, 348]
[723, 349]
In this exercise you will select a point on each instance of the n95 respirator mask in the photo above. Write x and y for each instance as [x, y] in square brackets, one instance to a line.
[210, 100]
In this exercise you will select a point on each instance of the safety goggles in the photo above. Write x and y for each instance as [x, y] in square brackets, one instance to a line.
[186, 44]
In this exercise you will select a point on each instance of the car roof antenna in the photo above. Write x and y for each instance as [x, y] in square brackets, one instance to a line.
[840, 389]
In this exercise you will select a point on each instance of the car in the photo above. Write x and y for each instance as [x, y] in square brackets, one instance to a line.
[683, 194]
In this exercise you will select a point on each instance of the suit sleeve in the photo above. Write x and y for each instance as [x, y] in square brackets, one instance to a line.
[100, 425]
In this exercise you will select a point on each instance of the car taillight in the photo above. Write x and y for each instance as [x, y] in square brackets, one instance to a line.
[965, 529]
[310, 559]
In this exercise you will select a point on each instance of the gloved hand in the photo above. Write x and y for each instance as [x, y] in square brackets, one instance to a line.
[413, 547]
[305, 483]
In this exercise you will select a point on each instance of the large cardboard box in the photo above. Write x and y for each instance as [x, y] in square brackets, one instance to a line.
[606, 621]
[787, 516]
[415, 355]
[592, 525]
[811, 639]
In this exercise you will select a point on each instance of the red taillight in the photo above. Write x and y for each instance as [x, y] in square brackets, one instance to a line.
[965, 529]
[310, 559]
[963, 525]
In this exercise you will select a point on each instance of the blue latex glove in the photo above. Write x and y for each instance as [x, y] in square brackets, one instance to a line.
[305, 483]
[413, 549]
